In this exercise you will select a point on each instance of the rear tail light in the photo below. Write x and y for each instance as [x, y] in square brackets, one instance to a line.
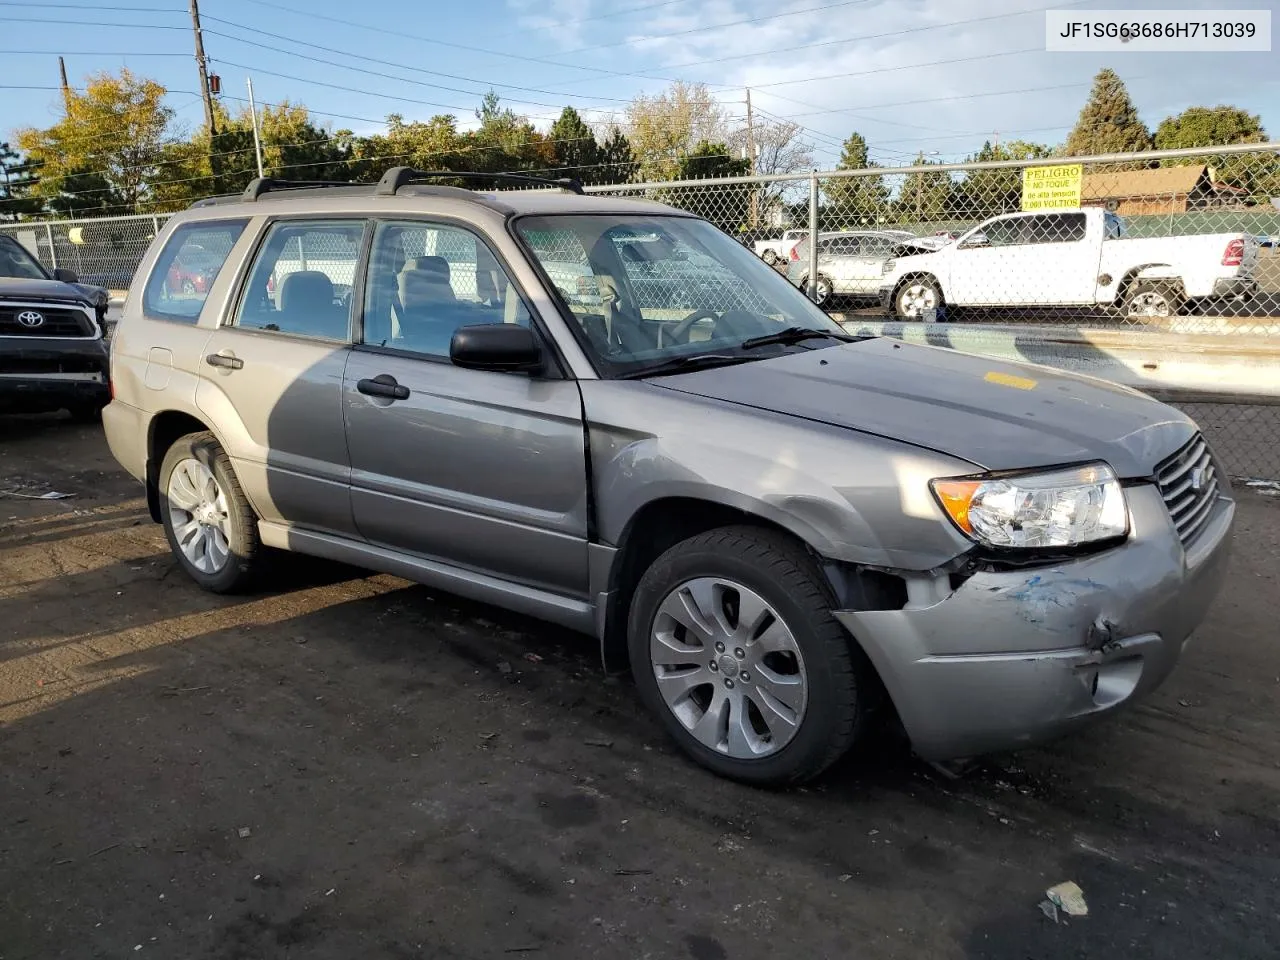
[1234, 254]
[795, 252]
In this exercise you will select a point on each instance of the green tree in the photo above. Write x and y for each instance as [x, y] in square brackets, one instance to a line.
[988, 193]
[505, 142]
[434, 144]
[617, 160]
[671, 125]
[854, 201]
[1216, 127]
[1109, 121]
[112, 135]
[17, 181]
[574, 143]
[925, 196]
[726, 206]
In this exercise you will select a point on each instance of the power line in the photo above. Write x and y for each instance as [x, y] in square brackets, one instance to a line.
[386, 63]
[904, 66]
[93, 53]
[875, 36]
[93, 23]
[447, 43]
[93, 7]
[599, 16]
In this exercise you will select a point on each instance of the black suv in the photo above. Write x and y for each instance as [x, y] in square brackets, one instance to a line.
[53, 355]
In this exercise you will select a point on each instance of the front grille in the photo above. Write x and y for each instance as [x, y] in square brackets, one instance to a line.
[54, 321]
[1188, 483]
[52, 364]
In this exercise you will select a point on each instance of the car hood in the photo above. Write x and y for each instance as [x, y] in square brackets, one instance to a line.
[52, 291]
[992, 413]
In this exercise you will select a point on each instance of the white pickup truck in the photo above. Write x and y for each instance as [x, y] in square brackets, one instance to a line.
[1068, 258]
[771, 251]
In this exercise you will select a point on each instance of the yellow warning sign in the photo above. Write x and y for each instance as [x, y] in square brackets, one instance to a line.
[1052, 188]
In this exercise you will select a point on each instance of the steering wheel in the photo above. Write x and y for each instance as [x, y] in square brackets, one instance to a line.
[739, 323]
[680, 332]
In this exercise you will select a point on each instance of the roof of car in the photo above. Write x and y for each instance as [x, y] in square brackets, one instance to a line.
[510, 202]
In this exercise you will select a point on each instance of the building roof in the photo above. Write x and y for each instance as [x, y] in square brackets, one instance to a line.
[1160, 182]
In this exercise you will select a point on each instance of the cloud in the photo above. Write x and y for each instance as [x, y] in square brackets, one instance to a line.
[910, 75]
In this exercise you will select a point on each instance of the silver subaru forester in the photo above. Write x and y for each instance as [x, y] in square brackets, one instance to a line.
[610, 415]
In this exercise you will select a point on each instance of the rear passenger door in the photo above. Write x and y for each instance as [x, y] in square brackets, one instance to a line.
[272, 372]
[475, 468]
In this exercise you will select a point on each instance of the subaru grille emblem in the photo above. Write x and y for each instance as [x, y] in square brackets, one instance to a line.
[29, 318]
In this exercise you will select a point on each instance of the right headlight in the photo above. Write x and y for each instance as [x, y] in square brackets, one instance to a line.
[1051, 509]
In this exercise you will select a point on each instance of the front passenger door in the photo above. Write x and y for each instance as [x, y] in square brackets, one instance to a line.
[473, 468]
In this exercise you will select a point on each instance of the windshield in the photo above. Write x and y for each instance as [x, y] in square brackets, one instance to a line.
[648, 290]
[16, 262]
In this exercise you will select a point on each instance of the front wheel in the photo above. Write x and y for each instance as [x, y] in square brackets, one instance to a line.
[919, 298]
[770, 257]
[733, 646]
[211, 528]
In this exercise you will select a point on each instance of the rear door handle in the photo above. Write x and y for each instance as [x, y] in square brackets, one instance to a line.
[383, 385]
[222, 360]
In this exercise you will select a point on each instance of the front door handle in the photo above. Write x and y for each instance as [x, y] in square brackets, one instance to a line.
[383, 385]
[223, 360]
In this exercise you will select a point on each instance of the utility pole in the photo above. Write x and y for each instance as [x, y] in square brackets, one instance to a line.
[65, 87]
[202, 64]
[754, 215]
[257, 140]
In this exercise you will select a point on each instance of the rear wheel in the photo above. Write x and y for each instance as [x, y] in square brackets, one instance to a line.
[211, 528]
[1151, 299]
[823, 291]
[770, 257]
[733, 646]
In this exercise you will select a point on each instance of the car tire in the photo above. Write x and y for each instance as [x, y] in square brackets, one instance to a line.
[916, 296]
[770, 257]
[211, 528]
[720, 720]
[1152, 300]
[823, 293]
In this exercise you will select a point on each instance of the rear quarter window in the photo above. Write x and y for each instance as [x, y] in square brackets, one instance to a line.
[187, 268]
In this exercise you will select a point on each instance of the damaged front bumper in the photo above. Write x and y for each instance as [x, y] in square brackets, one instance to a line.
[1010, 658]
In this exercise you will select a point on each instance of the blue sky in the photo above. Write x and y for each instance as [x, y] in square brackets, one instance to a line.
[933, 75]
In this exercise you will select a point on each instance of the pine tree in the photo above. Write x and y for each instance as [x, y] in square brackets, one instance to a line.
[1109, 122]
[855, 201]
[574, 143]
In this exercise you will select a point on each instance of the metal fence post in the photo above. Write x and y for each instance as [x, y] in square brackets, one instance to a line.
[53, 253]
[155, 225]
[813, 236]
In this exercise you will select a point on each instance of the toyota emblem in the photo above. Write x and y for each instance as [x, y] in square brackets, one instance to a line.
[30, 318]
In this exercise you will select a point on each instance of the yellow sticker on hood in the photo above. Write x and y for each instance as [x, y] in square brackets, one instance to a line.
[1009, 380]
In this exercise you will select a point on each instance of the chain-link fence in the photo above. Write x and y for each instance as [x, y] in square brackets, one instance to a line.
[1180, 242]
[1183, 240]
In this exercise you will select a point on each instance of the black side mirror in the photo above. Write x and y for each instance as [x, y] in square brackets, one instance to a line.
[65, 275]
[495, 346]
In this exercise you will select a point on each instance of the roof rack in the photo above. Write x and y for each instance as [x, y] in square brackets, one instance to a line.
[398, 177]
[260, 185]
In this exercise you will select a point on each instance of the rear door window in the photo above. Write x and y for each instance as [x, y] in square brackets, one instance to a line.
[187, 268]
[302, 279]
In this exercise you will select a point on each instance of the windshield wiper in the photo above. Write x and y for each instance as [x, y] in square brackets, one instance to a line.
[790, 335]
[700, 361]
